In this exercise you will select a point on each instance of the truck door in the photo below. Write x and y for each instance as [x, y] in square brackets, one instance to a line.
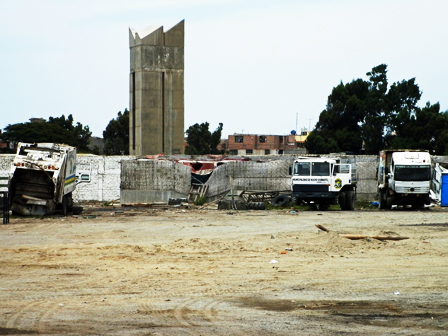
[342, 174]
[70, 172]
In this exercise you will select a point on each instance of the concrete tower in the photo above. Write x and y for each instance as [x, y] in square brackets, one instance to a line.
[156, 123]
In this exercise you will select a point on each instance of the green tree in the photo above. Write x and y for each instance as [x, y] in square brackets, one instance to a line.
[116, 135]
[371, 114]
[81, 133]
[426, 129]
[57, 130]
[372, 125]
[38, 132]
[338, 127]
[201, 141]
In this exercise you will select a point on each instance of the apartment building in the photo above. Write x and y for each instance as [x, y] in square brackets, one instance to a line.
[257, 144]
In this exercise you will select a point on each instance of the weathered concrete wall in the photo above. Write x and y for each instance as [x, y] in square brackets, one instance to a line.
[5, 166]
[366, 166]
[146, 181]
[104, 185]
[439, 159]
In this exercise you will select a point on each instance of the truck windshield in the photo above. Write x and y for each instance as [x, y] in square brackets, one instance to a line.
[302, 168]
[412, 173]
[320, 169]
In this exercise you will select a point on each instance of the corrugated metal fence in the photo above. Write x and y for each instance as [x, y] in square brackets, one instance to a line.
[250, 175]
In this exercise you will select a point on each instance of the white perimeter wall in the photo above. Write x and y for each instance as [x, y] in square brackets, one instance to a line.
[272, 175]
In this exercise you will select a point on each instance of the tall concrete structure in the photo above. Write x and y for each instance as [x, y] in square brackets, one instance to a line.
[156, 122]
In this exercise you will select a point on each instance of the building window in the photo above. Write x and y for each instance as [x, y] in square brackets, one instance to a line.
[280, 139]
[262, 138]
[267, 151]
[249, 151]
[238, 138]
[280, 151]
[233, 152]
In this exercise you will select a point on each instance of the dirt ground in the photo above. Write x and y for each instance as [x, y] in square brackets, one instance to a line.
[176, 271]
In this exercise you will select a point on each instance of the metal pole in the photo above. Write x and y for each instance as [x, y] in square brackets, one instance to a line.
[5, 207]
[297, 119]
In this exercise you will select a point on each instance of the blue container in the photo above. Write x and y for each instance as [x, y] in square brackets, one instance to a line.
[444, 190]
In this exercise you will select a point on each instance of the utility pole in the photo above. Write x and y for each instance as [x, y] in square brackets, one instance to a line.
[297, 119]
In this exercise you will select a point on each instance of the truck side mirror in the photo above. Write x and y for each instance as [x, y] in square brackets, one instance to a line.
[290, 170]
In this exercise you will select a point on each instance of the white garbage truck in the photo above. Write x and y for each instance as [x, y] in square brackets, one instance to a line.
[324, 181]
[42, 179]
[404, 178]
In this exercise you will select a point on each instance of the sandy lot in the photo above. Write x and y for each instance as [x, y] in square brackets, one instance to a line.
[172, 271]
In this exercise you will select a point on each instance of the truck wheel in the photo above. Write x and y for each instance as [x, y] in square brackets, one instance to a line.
[280, 200]
[381, 200]
[350, 200]
[256, 206]
[342, 200]
[69, 202]
[64, 205]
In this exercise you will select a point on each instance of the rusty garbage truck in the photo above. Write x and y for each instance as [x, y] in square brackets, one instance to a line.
[42, 179]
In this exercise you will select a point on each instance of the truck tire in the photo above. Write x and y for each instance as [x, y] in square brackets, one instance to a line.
[64, 205]
[280, 200]
[382, 200]
[350, 200]
[256, 206]
[67, 204]
[342, 200]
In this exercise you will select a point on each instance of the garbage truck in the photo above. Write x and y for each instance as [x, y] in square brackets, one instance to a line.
[324, 181]
[404, 178]
[42, 179]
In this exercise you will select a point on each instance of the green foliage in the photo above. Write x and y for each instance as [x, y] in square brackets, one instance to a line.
[116, 135]
[201, 141]
[57, 130]
[338, 126]
[371, 114]
[200, 200]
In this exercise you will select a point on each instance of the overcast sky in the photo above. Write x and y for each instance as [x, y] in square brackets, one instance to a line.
[257, 66]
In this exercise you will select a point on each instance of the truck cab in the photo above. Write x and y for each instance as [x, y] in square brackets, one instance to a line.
[323, 181]
[404, 178]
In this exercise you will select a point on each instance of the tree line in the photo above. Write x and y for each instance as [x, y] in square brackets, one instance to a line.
[116, 135]
[64, 130]
[364, 117]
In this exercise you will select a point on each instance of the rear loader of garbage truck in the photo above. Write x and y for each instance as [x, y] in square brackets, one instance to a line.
[404, 178]
[42, 179]
[321, 181]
